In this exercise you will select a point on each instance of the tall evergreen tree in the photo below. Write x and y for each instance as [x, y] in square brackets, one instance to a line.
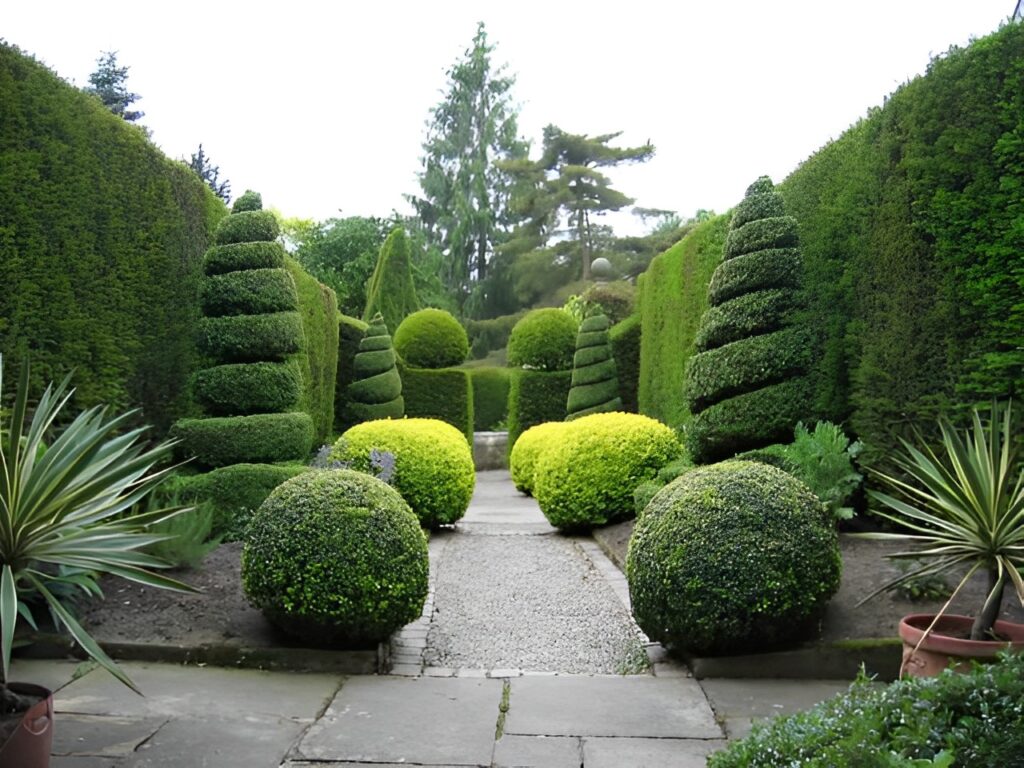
[210, 173]
[108, 83]
[464, 201]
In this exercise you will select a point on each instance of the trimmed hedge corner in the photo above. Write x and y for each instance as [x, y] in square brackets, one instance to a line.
[625, 341]
[490, 397]
[535, 397]
[444, 393]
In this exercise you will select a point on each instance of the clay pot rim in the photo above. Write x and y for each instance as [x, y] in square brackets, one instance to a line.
[912, 627]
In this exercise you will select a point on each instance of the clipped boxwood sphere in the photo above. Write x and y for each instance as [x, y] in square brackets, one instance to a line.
[545, 340]
[336, 557]
[588, 476]
[431, 338]
[522, 460]
[732, 558]
[433, 466]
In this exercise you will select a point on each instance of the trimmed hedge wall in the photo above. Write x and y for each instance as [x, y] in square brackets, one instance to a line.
[350, 336]
[594, 385]
[248, 292]
[439, 393]
[486, 336]
[535, 397]
[673, 296]
[101, 244]
[248, 226]
[376, 390]
[625, 341]
[245, 388]
[232, 258]
[490, 397]
[251, 338]
[262, 437]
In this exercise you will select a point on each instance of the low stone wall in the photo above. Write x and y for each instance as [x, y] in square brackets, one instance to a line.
[490, 450]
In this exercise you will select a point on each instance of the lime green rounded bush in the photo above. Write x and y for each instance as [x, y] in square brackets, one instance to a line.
[522, 460]
[544, 340]
[336, 557]
[588, 477]
[433, 465]
[732, 558]
[431, 338]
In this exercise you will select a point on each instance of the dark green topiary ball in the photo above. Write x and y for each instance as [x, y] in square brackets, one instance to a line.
[544, 340]
[732, 558]
[248, 201]
[336, 557]
[431, 338]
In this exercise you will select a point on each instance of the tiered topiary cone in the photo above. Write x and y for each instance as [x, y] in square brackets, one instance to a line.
[747, 385]
[595, 382]
[252, 330]
[376, 390]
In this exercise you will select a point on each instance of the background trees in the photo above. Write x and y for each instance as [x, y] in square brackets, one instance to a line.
[108, 83]
[210, 173]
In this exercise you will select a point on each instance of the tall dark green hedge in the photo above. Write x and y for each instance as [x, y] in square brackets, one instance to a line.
[391, 290]
[350, 335]
[375, 391]
[625, 341]
[595, 381]
[490, 397]
[439, 393]
[535, 397]
[101, 244]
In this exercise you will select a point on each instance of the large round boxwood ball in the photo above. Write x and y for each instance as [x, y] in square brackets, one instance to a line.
[427, 461]
[732, 558]
[336, 557]
[544, 339]
[522, 459]
[431, 338]
[588, 476]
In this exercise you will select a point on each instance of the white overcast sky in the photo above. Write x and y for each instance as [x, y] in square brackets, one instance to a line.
[322, 106]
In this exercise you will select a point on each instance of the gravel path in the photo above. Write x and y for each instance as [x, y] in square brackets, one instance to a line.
[525, 599]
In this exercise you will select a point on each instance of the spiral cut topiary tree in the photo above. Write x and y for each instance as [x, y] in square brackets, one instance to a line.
[595, 383]
[376, 389]
[252, 330]
[747, 385]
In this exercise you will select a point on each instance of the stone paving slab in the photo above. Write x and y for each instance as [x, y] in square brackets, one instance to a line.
[637, 706]
[648, 753]
[102, 735]
[423, 721]
[538, 752]
[85, 762]
[738, 702]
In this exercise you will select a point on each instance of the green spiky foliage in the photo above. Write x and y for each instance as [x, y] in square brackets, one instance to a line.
[595, 383]
[747, 385]
[376, 390]
[391, 290]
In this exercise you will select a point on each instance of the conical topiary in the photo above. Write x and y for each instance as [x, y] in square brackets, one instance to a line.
[595, 382]
[747, 384]
[390, 290]
[376, 390]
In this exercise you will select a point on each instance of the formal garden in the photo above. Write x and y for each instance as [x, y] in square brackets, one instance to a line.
[783, 400]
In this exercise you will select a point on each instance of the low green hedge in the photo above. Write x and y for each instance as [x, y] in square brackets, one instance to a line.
[770, 268]
[485, 336]
[336, 557]
[248, 292]
[625, 341]
[247, 227]
[735, 557]
[746, 365]
[251, 338]
[748, 315]
[237, 256]
[262, 437]
[776, 232]
[535, 397]
[242, 388]
[431, 338]
[522, 460]
[958, 720]
[724, 429]
[350, 334]
[490, 397]
[588, 477]
[433, 465]
[544, 339]
[595, 382]
[445, 394]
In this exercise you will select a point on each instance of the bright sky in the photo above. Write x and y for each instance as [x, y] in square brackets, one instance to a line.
[322, 106]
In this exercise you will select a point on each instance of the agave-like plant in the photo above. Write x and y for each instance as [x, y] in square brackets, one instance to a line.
[964, 507]
[66, 512]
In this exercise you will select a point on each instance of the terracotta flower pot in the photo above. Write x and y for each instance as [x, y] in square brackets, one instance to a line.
[29, 746]
[947, 643]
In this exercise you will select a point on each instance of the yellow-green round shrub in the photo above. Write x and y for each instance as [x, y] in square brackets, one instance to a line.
[433, 465]
[588, 477]
[522, 461]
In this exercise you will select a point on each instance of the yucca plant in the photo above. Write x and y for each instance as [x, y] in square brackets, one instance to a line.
[66, 513]
[964, 507]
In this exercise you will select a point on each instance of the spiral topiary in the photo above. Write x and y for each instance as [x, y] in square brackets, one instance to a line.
[543, 340]
[587, 477]
[732, 558]
[433, 465]
[747, 385]
[595, 383]
[431, 338]
[522, 460]
[375, 392]
[336, 557]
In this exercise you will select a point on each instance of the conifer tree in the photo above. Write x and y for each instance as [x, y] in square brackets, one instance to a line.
[595, 381]
[391, 290]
